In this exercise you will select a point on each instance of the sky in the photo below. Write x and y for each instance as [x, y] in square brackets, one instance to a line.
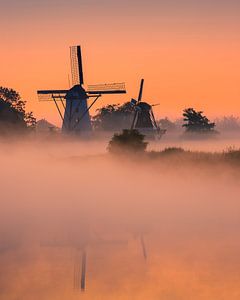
[188, 52]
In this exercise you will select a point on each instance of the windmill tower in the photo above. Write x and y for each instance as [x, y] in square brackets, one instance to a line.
[72, 105]
[144, 120]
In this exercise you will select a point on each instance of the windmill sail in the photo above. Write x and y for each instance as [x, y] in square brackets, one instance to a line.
[109, 88]
[50, 95]
[76, 65]
[135, 117]
[141, 91]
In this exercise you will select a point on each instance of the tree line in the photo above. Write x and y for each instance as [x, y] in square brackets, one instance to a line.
[112, 117]
[117, 116]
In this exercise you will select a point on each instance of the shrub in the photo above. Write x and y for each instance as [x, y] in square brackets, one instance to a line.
[173, 150]
[232, 154]
[130, 141]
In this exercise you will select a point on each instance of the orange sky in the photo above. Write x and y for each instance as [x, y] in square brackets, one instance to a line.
[187, 52]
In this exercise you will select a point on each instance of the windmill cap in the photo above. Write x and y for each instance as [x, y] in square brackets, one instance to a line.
[133, 102]
[144, 105]
[77, 92]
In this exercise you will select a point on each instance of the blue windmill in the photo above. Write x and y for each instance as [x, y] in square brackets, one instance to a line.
[72, 105]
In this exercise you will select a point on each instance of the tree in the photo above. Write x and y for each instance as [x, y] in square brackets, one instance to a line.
[10, 119]
[30, 120]
[195, 121]
[113, 117]
[13, 99]
[129, 141]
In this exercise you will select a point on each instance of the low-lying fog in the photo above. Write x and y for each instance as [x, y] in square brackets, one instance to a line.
[148, 231]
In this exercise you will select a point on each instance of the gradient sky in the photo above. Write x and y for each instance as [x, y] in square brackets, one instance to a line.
[188, 52]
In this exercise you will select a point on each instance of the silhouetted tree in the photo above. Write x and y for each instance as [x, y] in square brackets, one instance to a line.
[129, 141]
[113, 117]
[195, 121]
[13, 100]
[10, 119]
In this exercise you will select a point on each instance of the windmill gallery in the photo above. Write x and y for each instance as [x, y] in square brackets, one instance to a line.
[73, 105]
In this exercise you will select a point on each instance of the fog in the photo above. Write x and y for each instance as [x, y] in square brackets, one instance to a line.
[149, 229]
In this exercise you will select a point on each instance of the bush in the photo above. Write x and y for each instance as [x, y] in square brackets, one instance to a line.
[173, 150]
[129, 141]
[232, 154]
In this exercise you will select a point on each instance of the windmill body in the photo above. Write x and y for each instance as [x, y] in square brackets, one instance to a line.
[73, 104]
[76, 115]
[76, 108]
[144, 119]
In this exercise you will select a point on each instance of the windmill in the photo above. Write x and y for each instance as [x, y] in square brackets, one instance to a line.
[144, 120]
[72, 105]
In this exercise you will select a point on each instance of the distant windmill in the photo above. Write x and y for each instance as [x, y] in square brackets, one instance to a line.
[144, 120]
[73, 107]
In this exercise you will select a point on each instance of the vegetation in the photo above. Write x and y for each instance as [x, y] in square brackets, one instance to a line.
[228, 123]
[13, 113]
[196, 122]
[172, 150]
[113, 117]
[232, 154]
[174, 157]
[178, 157]
[165, 123]
[129, 141]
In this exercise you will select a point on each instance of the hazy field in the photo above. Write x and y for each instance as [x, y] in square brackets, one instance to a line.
[153, 227]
